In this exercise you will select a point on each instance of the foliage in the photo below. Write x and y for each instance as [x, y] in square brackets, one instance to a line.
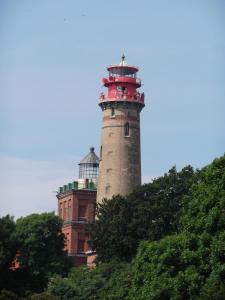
[7, 295]
[191, 264]
[43, 296]
[204, 209]
[8, 248]
[149, 213]
[107, 281]
[41, 251]
[8, 242]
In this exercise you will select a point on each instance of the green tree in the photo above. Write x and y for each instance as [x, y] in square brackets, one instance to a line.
[191, 264]
[41, 251]
[168, 269]
[204, 208]
[149, 213]
[108, 281]
[8, 248]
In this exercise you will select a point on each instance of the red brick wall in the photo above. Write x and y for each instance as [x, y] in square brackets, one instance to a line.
[76, 208]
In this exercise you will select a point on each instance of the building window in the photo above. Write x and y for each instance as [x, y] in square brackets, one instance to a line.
[64, 211]
[113, 112]
[81, 246]
[61, 211]
[138, 115]
[67, 241]
[69, 210]
[88, 171]
[107, 189]
[101, 153]
[126, 129]
[82, 213]
[108, 170]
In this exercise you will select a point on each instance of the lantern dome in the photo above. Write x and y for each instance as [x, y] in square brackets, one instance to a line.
[88, 166]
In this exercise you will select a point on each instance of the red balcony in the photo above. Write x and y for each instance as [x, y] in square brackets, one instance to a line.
[121, 96]
[121, 79]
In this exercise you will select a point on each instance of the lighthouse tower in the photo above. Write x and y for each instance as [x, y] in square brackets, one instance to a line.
[120, 155]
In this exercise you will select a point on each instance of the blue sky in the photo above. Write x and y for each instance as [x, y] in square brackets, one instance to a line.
[53, 54]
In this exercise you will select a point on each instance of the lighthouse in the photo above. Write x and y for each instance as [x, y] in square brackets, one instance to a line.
[120, 150]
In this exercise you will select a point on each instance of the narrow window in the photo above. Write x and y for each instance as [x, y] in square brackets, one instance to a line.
[61, 211]
[69, 210]
[80, 246]
[107, 189]
[112, 112]
[101, 153]
[82, 213]
[127, 129]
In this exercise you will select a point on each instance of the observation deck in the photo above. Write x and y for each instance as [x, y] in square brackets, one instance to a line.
[122, 96]
[121, 79]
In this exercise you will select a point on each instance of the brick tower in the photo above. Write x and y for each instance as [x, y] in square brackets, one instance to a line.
[76, 207]
[120, 155]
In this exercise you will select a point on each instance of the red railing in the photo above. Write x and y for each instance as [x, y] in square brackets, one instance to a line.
[126, 79]
[121, 96]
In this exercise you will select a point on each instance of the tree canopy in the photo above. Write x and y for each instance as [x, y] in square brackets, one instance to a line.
[190, 264]
[149, 213]
[41, 251]
[8, 248]
[37, 242]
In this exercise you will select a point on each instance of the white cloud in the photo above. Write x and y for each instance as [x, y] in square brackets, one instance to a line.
[28, 186]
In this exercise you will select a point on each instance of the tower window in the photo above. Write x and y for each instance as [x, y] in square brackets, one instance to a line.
[107, 189]
[101, 153]
[127, 129]
[112, 112]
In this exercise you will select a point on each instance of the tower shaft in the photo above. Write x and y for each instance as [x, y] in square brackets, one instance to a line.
[120, 161]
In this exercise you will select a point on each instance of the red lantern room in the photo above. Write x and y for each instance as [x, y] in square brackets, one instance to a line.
[122, 84]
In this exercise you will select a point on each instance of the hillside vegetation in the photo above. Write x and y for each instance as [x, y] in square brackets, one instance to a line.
[166, 240]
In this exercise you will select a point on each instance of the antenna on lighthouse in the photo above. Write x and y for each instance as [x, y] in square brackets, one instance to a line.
[123, 62]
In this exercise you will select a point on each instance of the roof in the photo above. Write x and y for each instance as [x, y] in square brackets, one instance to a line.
[123, 65]
[91, 158]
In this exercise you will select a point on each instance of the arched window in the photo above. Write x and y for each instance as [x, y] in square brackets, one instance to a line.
[126, 129]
